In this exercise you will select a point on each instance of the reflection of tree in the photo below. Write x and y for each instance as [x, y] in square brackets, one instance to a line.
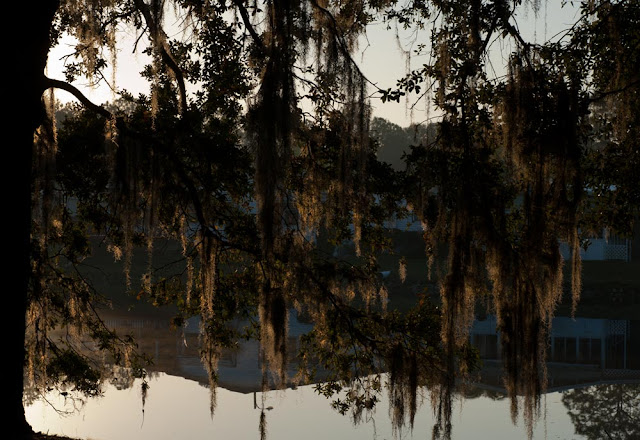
[605, 411]
[473, 392]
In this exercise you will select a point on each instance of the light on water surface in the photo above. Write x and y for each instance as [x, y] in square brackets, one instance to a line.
[177, 408]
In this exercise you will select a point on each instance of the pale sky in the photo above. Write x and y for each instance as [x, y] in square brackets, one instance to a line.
[380, 56]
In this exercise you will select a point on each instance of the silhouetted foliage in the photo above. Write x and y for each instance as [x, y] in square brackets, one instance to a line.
[257, 198]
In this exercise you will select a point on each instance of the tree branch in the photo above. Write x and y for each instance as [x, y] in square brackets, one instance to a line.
[159, 40]
[247, 23]
[615, 91]
[62, 85]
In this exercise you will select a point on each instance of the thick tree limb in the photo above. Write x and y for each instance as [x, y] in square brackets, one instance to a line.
[62, 85]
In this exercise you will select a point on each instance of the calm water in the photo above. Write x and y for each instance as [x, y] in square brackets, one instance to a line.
[594, 387]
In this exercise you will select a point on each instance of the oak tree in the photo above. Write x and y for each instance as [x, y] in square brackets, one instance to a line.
[252, 194]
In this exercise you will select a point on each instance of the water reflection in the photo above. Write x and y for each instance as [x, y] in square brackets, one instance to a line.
[610, 411]
[581, 351]
[593, 370]
[178, 409]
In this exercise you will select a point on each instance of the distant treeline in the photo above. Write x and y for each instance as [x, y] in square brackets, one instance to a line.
[395, 141]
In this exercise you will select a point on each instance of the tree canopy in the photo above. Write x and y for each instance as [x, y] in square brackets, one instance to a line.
[254, 150]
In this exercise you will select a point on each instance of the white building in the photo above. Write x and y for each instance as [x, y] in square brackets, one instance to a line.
[606, 246]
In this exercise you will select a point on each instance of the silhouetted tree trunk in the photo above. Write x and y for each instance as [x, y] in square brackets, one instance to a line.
[34, 48]
[635, 244]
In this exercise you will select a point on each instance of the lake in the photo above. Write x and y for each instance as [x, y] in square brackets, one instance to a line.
[593, 392]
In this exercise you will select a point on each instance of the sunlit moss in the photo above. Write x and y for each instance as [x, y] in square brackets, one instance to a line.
[210, 355]
[402, 269]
